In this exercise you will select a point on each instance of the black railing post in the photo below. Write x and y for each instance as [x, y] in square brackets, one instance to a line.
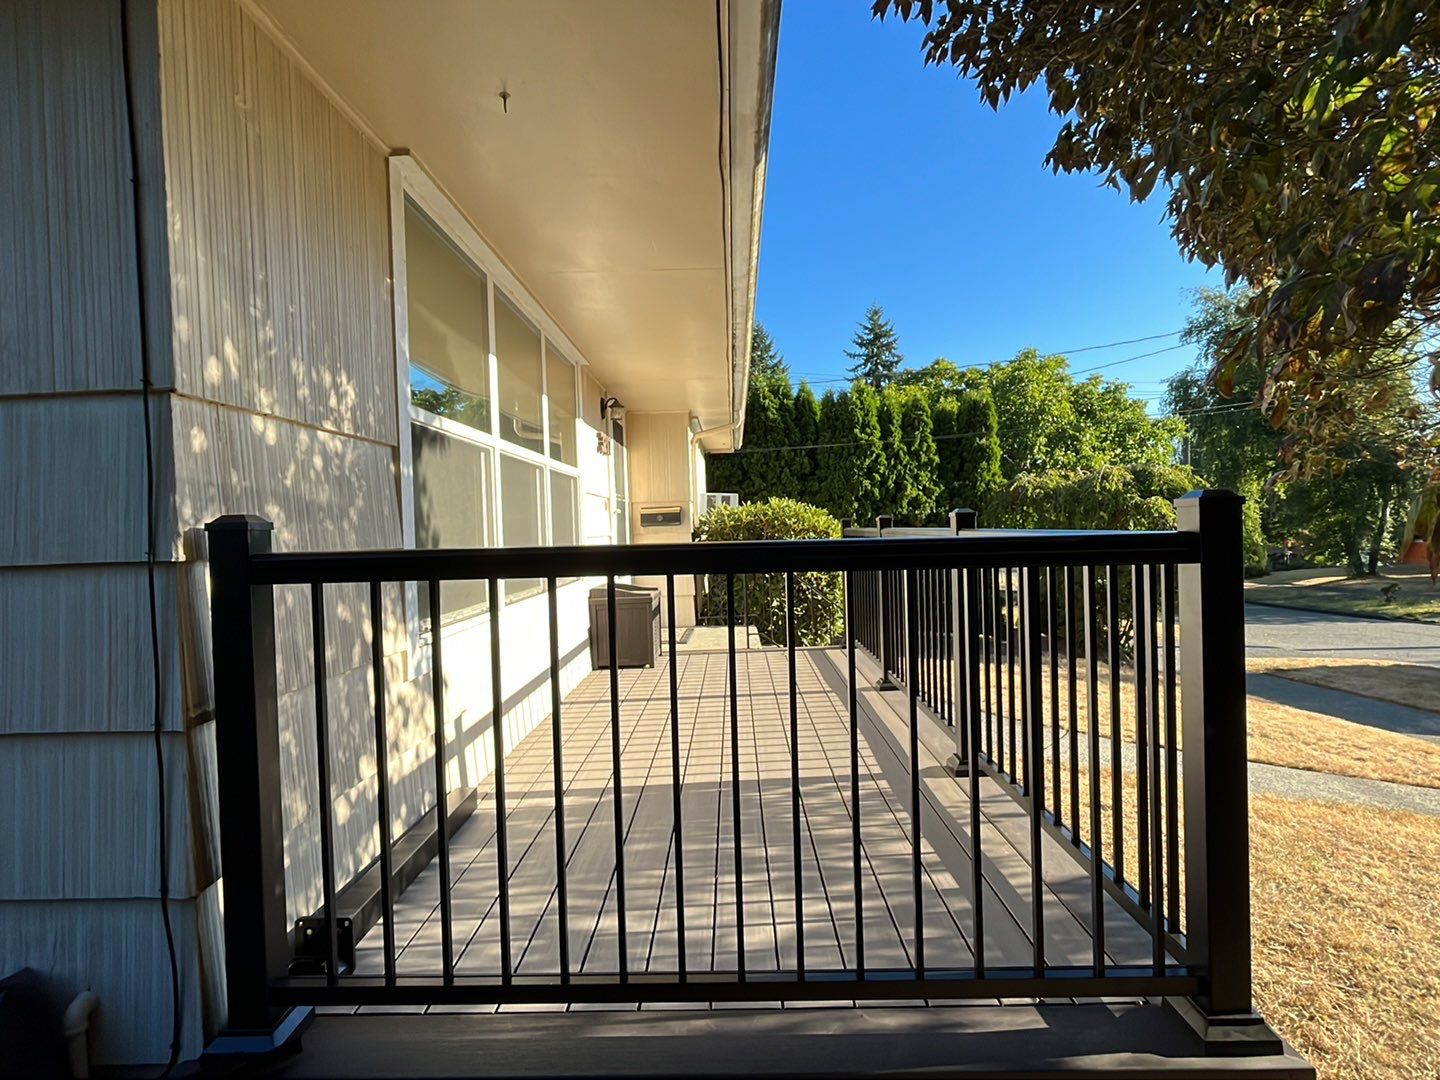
[1217, 827]
[247, 747]
[883, 522]
[960, 646]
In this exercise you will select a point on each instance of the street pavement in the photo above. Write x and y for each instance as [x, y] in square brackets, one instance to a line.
[1277, 631]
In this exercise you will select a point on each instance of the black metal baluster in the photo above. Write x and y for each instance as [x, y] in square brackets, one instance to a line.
[855, 850]
[735, 789]
[1012, 646]
[1154, 794]
[998, 629]
[912, 616]
[1034, 694]
[1144, 630]
[1053, 652]
[974, 619]
[382, 780]
[326, 805]
[1117, 745]
[987, 642]
[442, 787]
[621, 923]
[1074, 702]
[502, 825]
[557, 758]
[790, 644]
[1172, 753]
[1092, 689]
[677, 781]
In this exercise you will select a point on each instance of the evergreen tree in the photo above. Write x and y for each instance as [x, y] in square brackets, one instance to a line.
[967, 447]
[877, 350]
[850, 460]
[766, 465]
[919, 487]
[754, 471]
[805, 430]
[895, 466]
[766, 362]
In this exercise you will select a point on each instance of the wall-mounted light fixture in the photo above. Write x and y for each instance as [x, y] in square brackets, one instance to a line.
[608, 405]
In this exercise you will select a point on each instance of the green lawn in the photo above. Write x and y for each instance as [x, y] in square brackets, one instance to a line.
[1412, 597]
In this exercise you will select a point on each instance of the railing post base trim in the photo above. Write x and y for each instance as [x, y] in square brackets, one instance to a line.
[1228, 1035]
[955, 765]
[289, 1025]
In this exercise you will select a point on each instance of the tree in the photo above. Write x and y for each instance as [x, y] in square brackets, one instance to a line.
[1348, 510]
[1033, 411]
[1296, 146]
[805, 430]
[967, 445]
[877, 350]
[921, 489]
[763, 466]
[850, 460]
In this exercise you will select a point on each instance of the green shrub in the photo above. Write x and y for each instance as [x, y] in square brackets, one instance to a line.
[819, 597]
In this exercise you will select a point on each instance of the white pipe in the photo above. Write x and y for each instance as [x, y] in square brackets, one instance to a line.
[77, 1031]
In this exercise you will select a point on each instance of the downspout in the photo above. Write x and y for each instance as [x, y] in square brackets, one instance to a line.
[76, 1027]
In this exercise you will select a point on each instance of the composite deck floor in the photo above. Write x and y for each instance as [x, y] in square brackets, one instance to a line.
[768, 855]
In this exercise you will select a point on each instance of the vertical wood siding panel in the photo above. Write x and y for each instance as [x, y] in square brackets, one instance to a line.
[66, 220]
[117, 949]
[53, 684]
[280, 289]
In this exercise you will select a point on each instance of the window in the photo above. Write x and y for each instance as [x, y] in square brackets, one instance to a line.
[494, 449]
[449, 326]
[621, 466]
[560, 391]
[453, 496]
[522, 516]
[517, 350]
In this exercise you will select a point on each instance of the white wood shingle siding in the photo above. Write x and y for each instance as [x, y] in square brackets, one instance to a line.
[268, 270]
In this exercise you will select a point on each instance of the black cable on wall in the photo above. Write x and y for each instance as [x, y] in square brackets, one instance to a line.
[137, 203]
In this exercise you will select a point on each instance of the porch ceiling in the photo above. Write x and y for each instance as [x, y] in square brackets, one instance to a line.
[621, 180]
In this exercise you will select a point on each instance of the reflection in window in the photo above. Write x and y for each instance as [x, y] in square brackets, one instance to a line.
[449, 335]
[452, 509]
[517, 351]
[522, 520]
[560, 386]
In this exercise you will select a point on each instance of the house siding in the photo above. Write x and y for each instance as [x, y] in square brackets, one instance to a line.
[267, 266]
[79, 878]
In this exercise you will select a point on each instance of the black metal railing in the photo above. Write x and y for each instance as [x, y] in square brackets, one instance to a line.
[971, 625]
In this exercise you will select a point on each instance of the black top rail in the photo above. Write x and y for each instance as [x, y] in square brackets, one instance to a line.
[1027, 548]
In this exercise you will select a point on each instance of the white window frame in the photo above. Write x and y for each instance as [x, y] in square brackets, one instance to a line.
[408, 181]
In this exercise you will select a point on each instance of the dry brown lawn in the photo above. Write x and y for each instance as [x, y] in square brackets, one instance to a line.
[1345, 910]
[1346, 914]
[1295, 738]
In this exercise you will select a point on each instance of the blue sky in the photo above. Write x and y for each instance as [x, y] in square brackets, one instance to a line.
[891, 183]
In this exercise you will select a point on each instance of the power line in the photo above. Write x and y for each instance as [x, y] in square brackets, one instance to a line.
[1129, 359]
[821, 378]
[856, 442]
[1117, 344]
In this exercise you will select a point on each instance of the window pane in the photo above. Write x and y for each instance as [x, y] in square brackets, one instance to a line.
[564, 529]
[522, 519]
[449, 336]
[560, 385]
[517, 349]
[621, 464]
[452, 509]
